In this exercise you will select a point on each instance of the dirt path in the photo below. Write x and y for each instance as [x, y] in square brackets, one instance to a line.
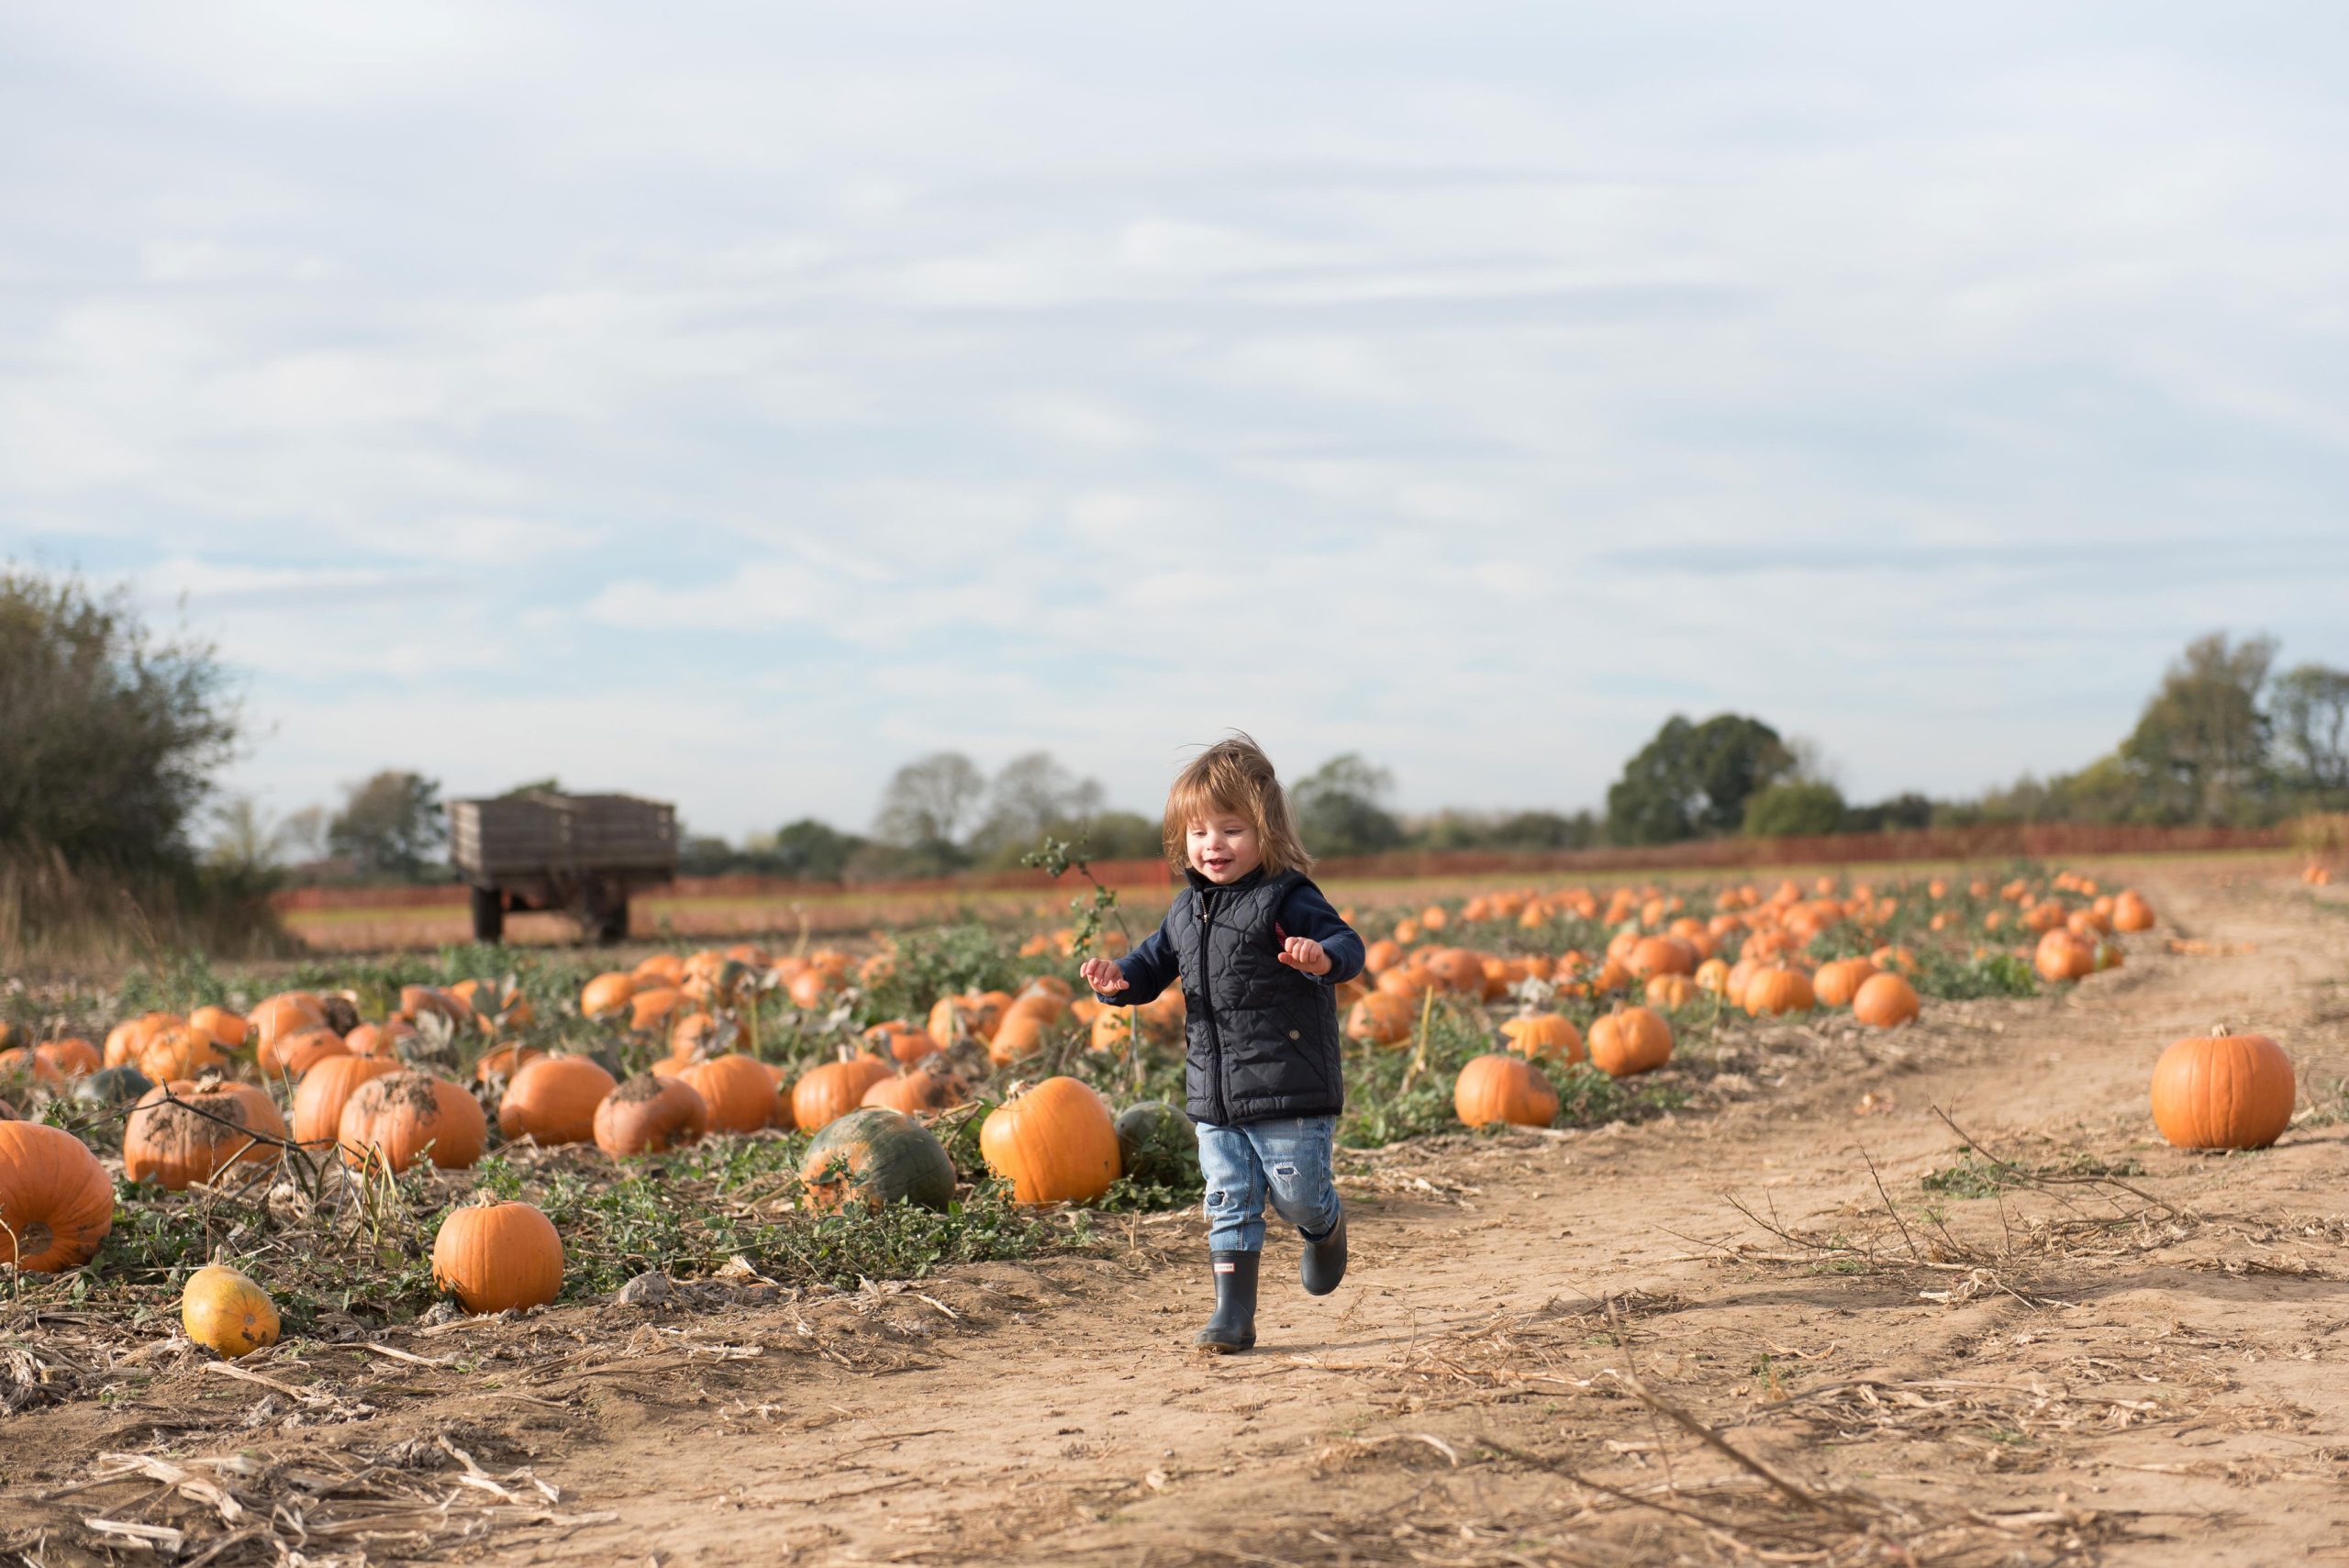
[2168, 1388]
[2147, 1369]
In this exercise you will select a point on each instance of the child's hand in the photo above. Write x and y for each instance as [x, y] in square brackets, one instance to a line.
[1105, 978]
[1305, 953]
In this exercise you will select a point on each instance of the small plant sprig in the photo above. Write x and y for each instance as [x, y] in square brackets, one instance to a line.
[1057, 859]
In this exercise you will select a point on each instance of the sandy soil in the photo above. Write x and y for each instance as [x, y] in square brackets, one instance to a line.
[1749, 1336]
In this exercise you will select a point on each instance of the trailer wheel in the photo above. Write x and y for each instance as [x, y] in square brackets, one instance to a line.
[489, 915]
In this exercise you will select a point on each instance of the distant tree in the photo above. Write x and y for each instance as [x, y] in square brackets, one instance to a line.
[813, 851]
[2311, 727]
[1511, 830]
[2200, 748]
[927, 807]
[303, 834]
[1907, 811]
[1795, 807]
[548, 785]
[110, 734]
[1693, 780]
[390, 825]
[1338, 809]
[1032, 796]
[706, 854]
[247, 842]
[1124, 836]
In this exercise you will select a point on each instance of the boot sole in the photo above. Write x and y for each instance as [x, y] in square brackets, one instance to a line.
[1216, 1347]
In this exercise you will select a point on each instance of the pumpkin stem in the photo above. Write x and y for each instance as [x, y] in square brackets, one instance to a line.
[2220, 1032]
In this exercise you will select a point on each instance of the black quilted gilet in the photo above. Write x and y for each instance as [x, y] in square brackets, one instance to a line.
[1263, 1037]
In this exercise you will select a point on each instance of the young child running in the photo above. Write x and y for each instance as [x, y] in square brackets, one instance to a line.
[1259, 951]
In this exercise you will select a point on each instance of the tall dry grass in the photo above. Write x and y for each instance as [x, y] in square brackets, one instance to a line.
[59, 919]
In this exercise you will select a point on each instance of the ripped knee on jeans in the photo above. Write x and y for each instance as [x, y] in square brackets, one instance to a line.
[1285, 1171]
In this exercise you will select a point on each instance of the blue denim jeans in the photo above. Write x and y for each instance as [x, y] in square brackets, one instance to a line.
[1287, 1160]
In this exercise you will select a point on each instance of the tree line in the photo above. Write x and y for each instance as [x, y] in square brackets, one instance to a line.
[112, 733]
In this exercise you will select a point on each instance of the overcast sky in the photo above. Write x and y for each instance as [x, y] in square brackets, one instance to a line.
[727, 403]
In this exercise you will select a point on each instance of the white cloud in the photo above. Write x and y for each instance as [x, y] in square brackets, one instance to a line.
[730, 403]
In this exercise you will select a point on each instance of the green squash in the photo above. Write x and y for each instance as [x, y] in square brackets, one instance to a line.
[1157, 1145]
[875, 1157]
[113, 1086]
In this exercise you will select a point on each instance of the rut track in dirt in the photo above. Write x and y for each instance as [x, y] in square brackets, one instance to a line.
[1552, 1349]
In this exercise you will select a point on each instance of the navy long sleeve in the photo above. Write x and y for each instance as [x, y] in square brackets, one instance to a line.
[1153, 966]
[1149, 969]
[1306, 913]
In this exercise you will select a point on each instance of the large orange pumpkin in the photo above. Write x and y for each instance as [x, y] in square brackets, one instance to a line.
[56, 1200]
[496, 1257]
[1661, 955]
[648, 1114]
[70, 1058]
[401, 1117]
[1055, 1143]
[552, 1100]
[1496, 1087]
[1629, 1041]
[212, 1127]
[2131, 913]
[1884, 1002]
[2224, 1091]
[827, 1093]
[324, 1089]
[739, 1090]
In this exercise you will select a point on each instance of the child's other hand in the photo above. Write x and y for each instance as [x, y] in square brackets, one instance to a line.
[1105, 978]
[1305, 953]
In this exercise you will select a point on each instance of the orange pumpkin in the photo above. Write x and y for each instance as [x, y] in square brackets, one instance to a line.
[2224, 1091]
[1054, 1142]
[1496, 1087]
[324, 1089]
[923, 1091]
[227, 1031]
[1018, 1034]
[2062, 956]
[1884, 1002]
[401, 1117]
[56, 1200]
[505, 1061]
[380, 1039]
[70, 1058]
[739, 1091]
[1381, 1019]
[2130, 912]
[900, 1041]
[1778, 991]
[1548, 1036]
[648, 1114]
[826, 1093]
[181, 1133]
[552, 1100]
[606, 994]
[291, 1055]
[1630, 1040]
[179, 1052]
[1661, 955]
[498, 1257]
[286, 1013]
[1712, 975]
[649, 1010]
[1837, 982]
[1669, 991]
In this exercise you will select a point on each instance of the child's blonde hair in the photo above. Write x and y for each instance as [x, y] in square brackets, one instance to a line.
[1235, 776]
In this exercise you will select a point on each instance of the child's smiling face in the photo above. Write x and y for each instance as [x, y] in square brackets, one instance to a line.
[1224, 846]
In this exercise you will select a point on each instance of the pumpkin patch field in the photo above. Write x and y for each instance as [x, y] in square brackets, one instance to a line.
[1999, 1215]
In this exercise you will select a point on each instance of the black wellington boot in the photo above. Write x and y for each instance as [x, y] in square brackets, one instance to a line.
[1323, 1264]
[1234, 1326]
